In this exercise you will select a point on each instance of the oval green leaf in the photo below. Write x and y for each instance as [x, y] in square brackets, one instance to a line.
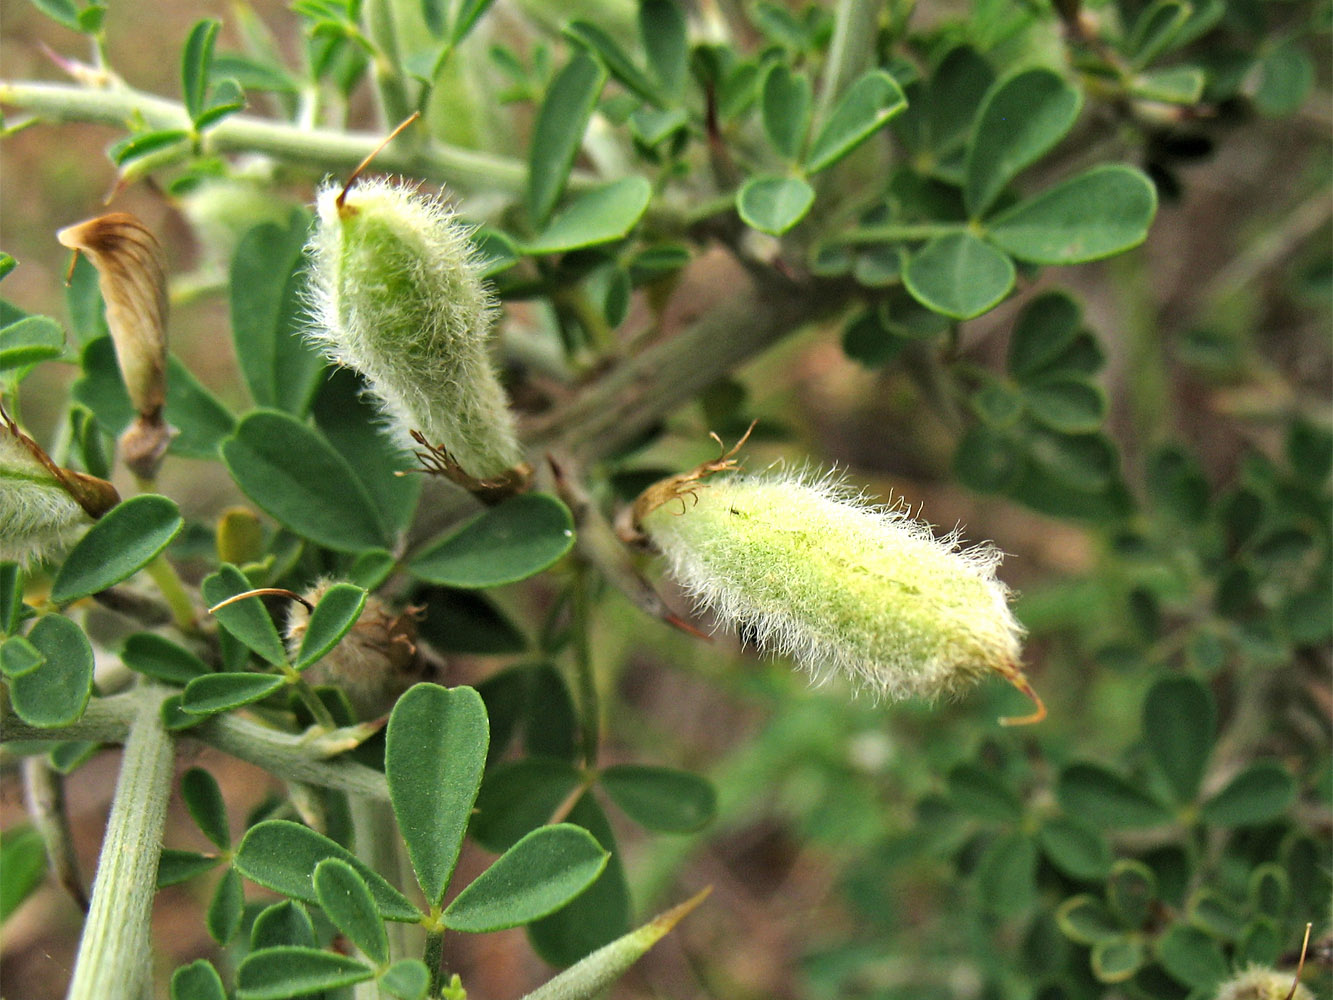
[435, 751]
[1076, 848]
[558, 131]
[225, 909]
[56, 693]
[161, 659]
[1179, 721]
[406, 979]
[665, 38]
[866, 106]
[1069, 405]
[334, 615]
[175, 867]
[596, 215]
[1131, 890]
[1086, 920]
[661, 798]
[288, 971]
[247, 619]
[203, 799]
[1044, 330]
[1006, 875]
[30, 340]
[1020, 119]
[958, 275]
[292, 472]
[196, 63]
[774, 204]
[1259, 794]
[535, 877]
[1116, 959]
[197, 981]
[282, 856]
[786, 101]
[223, 692]
[282, 923]
[347, 902]
[517, 797]
[1101, 212]
[520, 537]
[127, 538]
[18, 657]
[1192, 957]
[1102, 797]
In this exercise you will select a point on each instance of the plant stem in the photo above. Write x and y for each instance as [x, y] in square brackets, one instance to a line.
[433, 956]
[391, 88]
[168, 581]
[323, 149]
[114, 960]
[44, 798]
[589, 708]
[855, 26]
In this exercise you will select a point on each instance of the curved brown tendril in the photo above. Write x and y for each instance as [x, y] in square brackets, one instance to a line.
[342, 195]
[262, 592]
[1300, 967]
[1018, 679]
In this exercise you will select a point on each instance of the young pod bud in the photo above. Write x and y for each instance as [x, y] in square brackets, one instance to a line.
[803, 565]
[375, 662]
[1258, 983]
[396, 294]
[41, 504]
[131, 274]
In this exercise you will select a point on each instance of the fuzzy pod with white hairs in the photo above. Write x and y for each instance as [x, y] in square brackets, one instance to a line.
[804, 565]
[396, 293]
[42, 506]
[1260, 983]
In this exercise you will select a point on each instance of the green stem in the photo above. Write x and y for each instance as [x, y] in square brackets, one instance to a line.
[114, 960]
[168, 581]
[391, 88]
[44, 798]
[896, 233]
[433, 955]
[855, 27]
[323, 149]
[378, 843]
[589, 708]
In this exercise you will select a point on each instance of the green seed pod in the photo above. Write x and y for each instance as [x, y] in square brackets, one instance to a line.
[1258, 983]
[806, 566]
[41, 504]
[396, 294]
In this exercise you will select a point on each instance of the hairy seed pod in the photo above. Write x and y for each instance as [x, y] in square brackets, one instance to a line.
[396, 294]
[803, 565]
[41, 504]
[375, 662]
[1258, 983]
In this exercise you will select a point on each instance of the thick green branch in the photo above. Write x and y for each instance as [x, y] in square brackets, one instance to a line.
[323, 149]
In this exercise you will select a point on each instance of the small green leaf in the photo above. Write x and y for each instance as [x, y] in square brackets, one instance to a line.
[1131, 890]
[774, 204]
[663, 31]
[958, 275]
[30, 340]
[558, 132]
[226, 908]
[786, 100]
[1175, 85]
[1021, 118]
[56, 693]
[203, 799]
[18, 657]
[334, 615]
[7, 264]
[1179, 721]
[466, 17]
[222, 692]
[347, 902]
[267, 281]
[406, 979]
[1006, 875]
[661, 798]
[1259, 794]
[282, 856]
[285, 923]
[987, 459]
[535, 877]
[957, 92]
[1103, 211]
[63, 12]
[1215, 914]
[196, 64]
[980, 792]
[1084, 462]
[1043, 332]
[68, 756]
[227, 98]
[435, 750]
[1117, 959]
[598, 915]
[197, 981]
[161, 659]
[596, 215]
[1155, 29]
[292, 472]
[601, 44]
[512, 541]
[1069, 405]
[1286, 76]
[285, 972]
[175, 867]
[143, 144]
[1192, 957]
[1103, 797]
[1260, 943]
[1086, 920]
[517, 797]
[127, 538]
[23, 860]
[247, 619]
[1077, 848]
[467, 621]
[864, 108]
